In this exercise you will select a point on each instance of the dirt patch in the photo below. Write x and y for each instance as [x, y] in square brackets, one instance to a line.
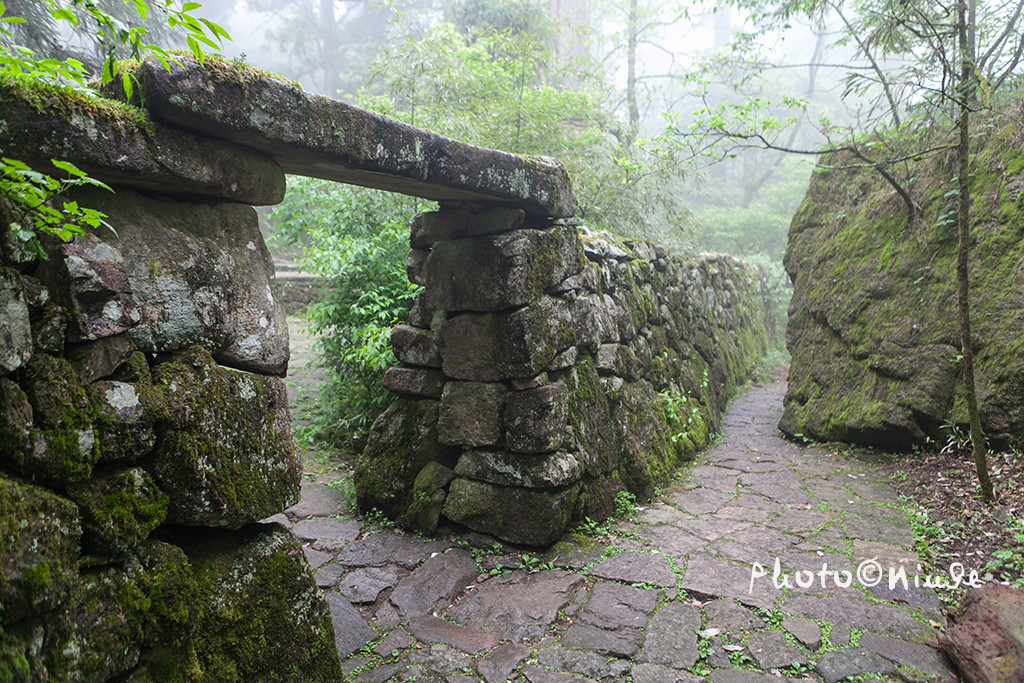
[953, 524]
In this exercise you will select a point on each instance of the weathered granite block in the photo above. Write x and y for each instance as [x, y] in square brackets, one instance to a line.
[535, 419]
[495, 346]
[176, 274]
[39, 550]
[429, 227]
[495, 273]
[414, 382]
[470, 414]
[518, 515]
[414, 346]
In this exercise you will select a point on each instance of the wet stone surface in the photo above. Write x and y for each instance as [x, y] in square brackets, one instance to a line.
[681, 592]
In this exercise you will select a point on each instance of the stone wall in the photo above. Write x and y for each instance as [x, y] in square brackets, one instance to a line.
[546, 368]
[144, 432]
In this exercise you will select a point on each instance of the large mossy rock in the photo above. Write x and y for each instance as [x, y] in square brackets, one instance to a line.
[873, 328]
[39, 550]
[227, 457]
[263, 617]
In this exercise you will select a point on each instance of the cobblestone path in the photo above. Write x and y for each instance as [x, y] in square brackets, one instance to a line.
[671, 595]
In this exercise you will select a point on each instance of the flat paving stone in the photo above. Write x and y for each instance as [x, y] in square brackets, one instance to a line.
[635, 567]
[315, 500]
[771, 650]
[711, 577]
[441, 659]
[797, 521]
[857, 661]
[670, 638]
[536, 674]
[805, 631]
[924, 658]
[613, 605]
[434, 584]
[710, 529]
[892, 533]
[315, 558]
[350, 630]
[867, 616]
[700, 501]
[726, 615]
[620, 642]
[589, 664]
[740, 676]
[518, 605]
[396, 640]
[429, 629]
[325, 528]
[328, 575]
[670, 540]
[377, 550]
[365, 584]
[496, 666]
[655, 673]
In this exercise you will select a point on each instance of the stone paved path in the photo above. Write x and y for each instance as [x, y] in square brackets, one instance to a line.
[667, 596]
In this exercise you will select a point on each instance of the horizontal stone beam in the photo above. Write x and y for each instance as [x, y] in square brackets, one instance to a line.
[312, 135]
[119, 146]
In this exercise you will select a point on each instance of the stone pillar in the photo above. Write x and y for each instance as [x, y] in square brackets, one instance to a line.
[479, 430]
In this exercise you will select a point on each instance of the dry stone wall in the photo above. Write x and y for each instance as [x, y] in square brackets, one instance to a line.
[144, 431]
[546, 368]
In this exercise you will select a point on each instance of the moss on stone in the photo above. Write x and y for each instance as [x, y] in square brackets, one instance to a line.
[69, 447]
[39, 547]
[263, 618]
[874, 334]
[227, 456]
[119, 509]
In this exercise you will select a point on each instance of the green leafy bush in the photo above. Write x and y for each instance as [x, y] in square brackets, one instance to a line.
[356, 240]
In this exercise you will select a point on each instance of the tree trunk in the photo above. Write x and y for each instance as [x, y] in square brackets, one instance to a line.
[963, 215]
[631, 99]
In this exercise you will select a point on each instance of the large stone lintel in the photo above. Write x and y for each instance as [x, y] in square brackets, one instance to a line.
[316, 136]
[109, 146]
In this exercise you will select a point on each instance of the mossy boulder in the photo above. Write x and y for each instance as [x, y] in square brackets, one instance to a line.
[101, 635]
[263, 617]
[173, 275]
[17, 434]
[119, 509]
[125, 417]
[873, 328]
[15, 326]
[227, 456]
[39, 550]
[66, 447]
[403, 440]
[528, 516]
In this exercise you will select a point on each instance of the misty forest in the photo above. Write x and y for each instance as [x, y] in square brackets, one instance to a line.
[511, 340]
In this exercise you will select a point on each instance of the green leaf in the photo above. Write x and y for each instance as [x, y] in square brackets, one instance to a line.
[65, 15]
[126, 85]
[68, 168]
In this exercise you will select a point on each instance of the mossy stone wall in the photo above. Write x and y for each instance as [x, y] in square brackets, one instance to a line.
[873, 328]
[573, 366]
[135, 467]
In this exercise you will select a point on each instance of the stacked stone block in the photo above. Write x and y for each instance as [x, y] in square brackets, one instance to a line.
[547, 368]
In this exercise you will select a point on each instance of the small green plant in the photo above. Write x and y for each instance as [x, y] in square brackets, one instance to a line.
[625, 505]
[376, 516]
[591, 528]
